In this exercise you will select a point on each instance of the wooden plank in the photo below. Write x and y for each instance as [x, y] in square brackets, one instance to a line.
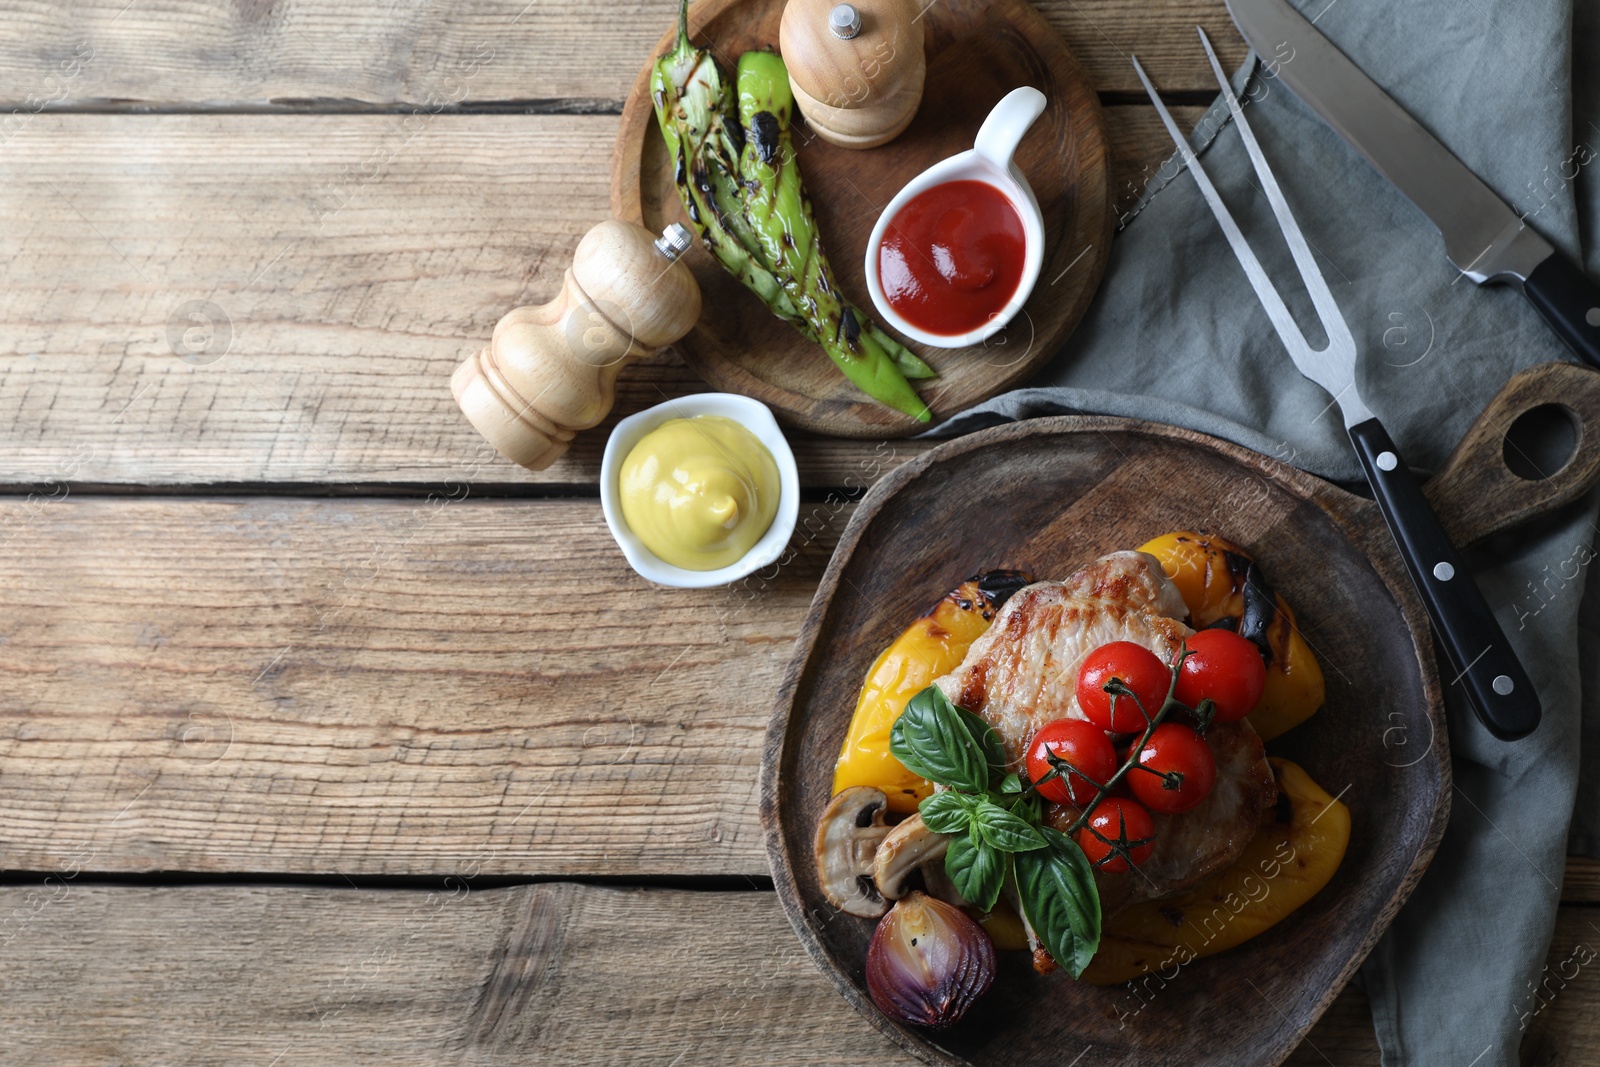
[379, 686]
[554, 973]
[383, 687]
[200, 300]
[539, 974]
[1143, 154]
[1582, 882]
[183, 54]
[325, 308]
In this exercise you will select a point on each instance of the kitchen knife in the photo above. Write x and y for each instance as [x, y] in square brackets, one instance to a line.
[1483, 237]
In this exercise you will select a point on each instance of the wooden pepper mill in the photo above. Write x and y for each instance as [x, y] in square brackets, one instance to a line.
[551, 370]
[856, 68]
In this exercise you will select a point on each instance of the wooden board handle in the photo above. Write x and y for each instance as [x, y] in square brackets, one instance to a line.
[1491, 484]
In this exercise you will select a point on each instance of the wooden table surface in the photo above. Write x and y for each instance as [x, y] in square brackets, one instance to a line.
[327, 735]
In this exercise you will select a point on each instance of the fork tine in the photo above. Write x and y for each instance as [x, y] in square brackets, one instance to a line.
[1333, 321]
[1288, 332]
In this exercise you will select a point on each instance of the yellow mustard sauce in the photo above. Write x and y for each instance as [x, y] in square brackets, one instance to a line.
[699, 492]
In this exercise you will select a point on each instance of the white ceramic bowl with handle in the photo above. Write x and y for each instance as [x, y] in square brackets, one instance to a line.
[753, 416]
[990, 161]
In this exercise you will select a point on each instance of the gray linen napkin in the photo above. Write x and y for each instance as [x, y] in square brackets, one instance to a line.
[1177, 335]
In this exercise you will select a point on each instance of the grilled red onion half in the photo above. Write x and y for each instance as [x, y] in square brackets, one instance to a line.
[928, 962]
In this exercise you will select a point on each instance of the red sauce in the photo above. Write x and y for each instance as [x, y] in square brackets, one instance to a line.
[952, 257]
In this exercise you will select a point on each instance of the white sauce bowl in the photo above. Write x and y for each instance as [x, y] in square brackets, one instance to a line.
[753, 416]
[989, 161]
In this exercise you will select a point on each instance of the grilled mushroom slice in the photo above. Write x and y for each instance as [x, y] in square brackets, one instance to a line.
[848, 836]
[908, 846]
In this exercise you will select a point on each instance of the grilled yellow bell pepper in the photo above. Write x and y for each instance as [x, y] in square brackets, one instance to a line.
[933, 645]
[1216, 580]
[1293, 855]
[1004, 928]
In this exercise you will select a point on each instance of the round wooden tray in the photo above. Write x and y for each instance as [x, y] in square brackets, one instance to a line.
[1051, 494]
[977, 52]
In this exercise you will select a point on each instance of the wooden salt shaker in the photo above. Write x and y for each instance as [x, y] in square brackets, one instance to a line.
[856, 68]
[551, 370]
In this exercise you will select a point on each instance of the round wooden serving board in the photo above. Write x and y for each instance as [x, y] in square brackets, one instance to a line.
[977, 52]
[1051, 494]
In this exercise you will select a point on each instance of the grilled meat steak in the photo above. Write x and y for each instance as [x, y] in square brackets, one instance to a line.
[1022, 673]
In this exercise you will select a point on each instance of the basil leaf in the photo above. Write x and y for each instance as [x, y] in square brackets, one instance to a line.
[988, 739]
[1003, 830]
[1027, 806]
[1011, 783]
[976, 870]
[1060, 899]
[948, 812]
[932, 740]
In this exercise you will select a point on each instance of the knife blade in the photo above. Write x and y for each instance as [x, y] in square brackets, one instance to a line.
[1483, 237]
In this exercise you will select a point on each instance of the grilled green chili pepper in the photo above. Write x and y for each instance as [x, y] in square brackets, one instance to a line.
[910, 364]
[779, 214]
[741, 188]
[694, 107]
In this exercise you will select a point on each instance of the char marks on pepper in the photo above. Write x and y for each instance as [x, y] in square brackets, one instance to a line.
[765, 134]
[998, 586]
[1260, 610]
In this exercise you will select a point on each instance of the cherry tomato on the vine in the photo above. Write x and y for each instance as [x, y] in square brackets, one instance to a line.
[1139, 669]
[1225, 667]
[1124, 754]
[1175, 771]
[1119, 828]
[1082, 744]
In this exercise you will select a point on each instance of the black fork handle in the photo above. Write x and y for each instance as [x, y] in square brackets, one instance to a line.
[1475, 646]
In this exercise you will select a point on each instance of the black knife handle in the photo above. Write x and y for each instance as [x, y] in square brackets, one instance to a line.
[1570, 303]
[1474, 644]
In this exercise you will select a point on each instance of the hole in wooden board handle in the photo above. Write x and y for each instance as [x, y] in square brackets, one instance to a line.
[1476, 494]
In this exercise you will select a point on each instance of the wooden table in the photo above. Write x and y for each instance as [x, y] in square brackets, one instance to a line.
[326, 735]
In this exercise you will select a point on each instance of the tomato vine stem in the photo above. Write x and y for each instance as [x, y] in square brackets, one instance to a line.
[1117, 689]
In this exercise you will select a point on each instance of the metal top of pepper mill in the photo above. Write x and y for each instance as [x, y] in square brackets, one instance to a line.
[674, 241]
[845, 21]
